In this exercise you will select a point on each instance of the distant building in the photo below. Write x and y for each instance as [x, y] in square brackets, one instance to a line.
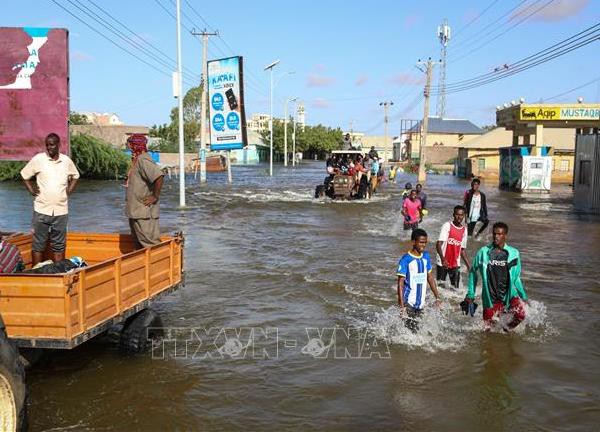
[114, 135]
[103, 119]
[441, 132]
[301, 119]
[258, 122]
[480, 157]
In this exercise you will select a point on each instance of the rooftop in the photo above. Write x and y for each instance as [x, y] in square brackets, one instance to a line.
[449, 126]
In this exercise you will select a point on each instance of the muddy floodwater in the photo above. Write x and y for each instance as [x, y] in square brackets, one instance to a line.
[288, 320]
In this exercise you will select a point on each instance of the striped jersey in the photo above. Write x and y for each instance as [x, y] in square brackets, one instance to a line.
[414, 268]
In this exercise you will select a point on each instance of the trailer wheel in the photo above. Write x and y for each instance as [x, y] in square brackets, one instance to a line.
[13, 390]
[139, 330]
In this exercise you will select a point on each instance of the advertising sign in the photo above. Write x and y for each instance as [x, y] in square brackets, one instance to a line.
[573, 112]
[226, 102]
[34, 90]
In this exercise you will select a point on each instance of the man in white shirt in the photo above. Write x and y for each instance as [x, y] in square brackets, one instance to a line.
[55, 179]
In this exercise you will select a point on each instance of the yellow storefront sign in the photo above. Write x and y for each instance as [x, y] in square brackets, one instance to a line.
[573, 112]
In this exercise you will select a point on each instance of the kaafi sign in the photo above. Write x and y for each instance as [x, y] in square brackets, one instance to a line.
[34, 90]
[226, 101]
[568, 112]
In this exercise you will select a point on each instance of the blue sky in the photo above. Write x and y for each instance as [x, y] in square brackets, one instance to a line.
[347, 56]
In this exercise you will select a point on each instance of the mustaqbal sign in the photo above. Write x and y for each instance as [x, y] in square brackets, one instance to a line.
[572, 112]
[226, 101]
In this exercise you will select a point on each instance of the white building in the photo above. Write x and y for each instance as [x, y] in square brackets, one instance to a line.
[103, 119]
[258, 122]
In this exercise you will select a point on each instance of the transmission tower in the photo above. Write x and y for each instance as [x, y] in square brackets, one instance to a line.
[443, 34]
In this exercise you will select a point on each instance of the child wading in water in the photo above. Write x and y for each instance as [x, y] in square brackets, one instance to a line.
[414, 274]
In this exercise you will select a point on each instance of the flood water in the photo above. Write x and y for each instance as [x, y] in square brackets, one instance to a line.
[290, 317]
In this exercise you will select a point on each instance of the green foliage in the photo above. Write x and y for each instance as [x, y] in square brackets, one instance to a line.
[169, 133]
[96, 159]
[10, 170]
[77, 119]
[315, 139]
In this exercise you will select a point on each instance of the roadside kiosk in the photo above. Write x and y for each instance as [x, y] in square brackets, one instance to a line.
[528, 167]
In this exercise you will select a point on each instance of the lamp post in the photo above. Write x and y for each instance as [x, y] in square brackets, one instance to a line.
[285, 110]
[294, 135]
[180, 103]
[270, 68]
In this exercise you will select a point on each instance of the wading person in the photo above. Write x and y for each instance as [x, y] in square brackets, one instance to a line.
[414, 274]
[451, 247]
[502, 291]
[422, 197]
[55, 178]
[411, 210]
[476, 205]
[144, 183]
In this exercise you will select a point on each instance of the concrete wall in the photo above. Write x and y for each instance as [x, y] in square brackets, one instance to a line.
[114, 135]
[440, 140]
[440, 155]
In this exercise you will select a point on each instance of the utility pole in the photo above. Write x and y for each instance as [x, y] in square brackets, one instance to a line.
[295, 120]
[285, 121]
[179, 92]
[385, 106]
[425, 124]
[270, 69]
[444, 37]
[204, 101]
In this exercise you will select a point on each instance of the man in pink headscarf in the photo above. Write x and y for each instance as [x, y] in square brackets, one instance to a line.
[144, 184]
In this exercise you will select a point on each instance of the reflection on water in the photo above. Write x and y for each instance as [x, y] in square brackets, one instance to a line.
[264, 255]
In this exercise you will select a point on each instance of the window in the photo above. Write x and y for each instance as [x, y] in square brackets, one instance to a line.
[585, 172]
[564, 165]
[481, 164]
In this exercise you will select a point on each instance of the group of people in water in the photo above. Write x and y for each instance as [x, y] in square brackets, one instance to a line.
[366, 171]
[497, 264]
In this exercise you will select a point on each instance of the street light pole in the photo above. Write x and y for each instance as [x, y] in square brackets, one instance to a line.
[180, 100]
[385, 123]
[295, 117]
[270, 68]
[285, 147]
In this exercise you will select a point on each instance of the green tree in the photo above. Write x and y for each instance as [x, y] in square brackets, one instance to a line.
[169, 132]
[76, 118]
[315, 139]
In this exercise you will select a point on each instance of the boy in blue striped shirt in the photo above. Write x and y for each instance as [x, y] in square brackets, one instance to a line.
[414, 274]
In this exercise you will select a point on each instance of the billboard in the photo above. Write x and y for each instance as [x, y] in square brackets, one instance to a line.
[563, 112]
[226, 104]
[34, 90]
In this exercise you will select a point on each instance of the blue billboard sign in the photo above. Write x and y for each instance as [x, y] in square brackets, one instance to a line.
[226, 96]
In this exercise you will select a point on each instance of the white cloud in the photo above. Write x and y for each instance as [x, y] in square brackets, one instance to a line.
[406, 78]
[556, 11]
[361, 80]
[314, 80]
[80, 56]
[320, 103]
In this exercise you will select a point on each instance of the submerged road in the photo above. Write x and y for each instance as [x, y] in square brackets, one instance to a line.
[288, 320]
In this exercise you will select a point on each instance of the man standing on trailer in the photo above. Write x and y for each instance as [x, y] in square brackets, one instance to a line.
[144, 183]
[55, 177]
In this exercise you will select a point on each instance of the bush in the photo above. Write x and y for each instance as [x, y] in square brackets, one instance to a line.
[10, 170]
[94, 158]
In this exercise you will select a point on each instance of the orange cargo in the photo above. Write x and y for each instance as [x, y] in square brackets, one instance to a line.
[64, 310]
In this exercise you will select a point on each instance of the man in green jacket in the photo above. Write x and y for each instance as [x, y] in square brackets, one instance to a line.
[500, 268]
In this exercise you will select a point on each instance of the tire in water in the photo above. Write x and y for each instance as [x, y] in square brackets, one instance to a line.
[13, 389]
[139, 330]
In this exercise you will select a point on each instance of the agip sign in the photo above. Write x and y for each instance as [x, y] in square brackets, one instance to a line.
[549, 113]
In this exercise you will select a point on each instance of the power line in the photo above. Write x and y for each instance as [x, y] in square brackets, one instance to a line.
[597, 79]
[132, 54]
[514, 72]
[561, 48]
[487, 42]
[474, 37]
[156, 49]
[475, 19]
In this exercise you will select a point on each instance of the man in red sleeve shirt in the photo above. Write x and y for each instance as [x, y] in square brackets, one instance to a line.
[451, 246]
